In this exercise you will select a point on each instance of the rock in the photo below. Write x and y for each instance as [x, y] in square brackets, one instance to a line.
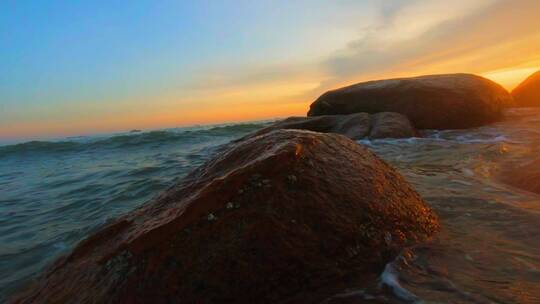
[354, 126]
[328, 215]
[527, 94]
[524, 176]
[453, 101]
[391, 125]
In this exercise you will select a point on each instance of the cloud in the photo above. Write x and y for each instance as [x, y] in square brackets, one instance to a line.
[436, 36]
[246, 75]
[407, 38]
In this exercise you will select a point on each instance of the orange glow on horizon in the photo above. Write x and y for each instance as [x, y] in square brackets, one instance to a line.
[179, 118]
[511, 78]
[253, 103]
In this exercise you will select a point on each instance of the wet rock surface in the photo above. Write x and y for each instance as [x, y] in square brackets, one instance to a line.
[391, 125]
[354, 126]
[280, 217]
[527, 94]
[451, 101]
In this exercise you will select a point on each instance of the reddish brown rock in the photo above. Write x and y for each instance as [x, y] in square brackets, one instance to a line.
[274, 218]
[391, 125]
[525, 176]
[453, 101]
[354, 126]
[527, 94]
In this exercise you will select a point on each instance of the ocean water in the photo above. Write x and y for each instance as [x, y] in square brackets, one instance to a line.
[53, 194]
[489, 248]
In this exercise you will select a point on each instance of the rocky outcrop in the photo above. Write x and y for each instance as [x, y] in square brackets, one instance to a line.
[453, 101]
[272, 218]
[354, 126]
[391, 125]
[527, 94]
[525, 176]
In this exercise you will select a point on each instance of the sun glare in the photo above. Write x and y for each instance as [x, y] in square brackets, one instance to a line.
[512, 77]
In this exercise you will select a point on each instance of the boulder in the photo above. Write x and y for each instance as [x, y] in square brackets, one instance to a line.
[527, 94]
[452, 101]
[354, 126]
[525, 176]
[391, 125]
[271, 218]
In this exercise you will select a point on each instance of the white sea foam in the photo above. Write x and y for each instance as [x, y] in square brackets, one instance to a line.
[389, 278]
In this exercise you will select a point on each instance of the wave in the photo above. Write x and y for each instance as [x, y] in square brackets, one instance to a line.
[74, 144]
[38, 146]
[389, 278]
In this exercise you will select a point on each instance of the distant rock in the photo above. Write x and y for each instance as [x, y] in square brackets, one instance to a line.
[354, 126]
[452, 101]
[525, 176]
[527, 94]
[272, 218]
[391, 125]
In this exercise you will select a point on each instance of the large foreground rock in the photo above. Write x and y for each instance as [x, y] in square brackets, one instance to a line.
[274, 218]
[452, 101]
[354, 126]
[527, 94]
[525, 176]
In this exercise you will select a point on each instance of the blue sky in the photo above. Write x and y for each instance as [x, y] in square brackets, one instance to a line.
[73, 67]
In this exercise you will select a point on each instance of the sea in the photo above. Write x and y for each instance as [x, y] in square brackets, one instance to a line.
[55, 193]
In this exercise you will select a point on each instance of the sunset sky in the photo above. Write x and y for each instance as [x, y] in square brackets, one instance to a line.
[84, 67]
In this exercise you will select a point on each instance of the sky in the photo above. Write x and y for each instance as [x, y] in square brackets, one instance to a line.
[85, 67]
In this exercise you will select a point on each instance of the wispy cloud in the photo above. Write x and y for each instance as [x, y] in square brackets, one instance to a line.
[406, 37]
[425, 36]
[403, 32]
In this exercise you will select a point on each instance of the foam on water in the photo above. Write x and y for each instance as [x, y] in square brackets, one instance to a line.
[389, 278]
[488, 227]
